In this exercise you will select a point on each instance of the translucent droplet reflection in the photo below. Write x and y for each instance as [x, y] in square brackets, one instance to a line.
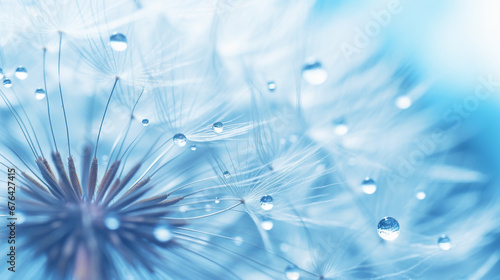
[340, 127]
[314, 73]
[145, 122]
[368, 186]
[112, 223]
[292, 272]
[21, 73]
[40, 94]
[162, 234]
[217, 200]
[7, 83]
[266, 202]
[180, 140]
[271, 86]
[193, 147]
[388, 228]
[444, 242]
[226, 174]
[218, 127]
[267, 224]
[118, 42]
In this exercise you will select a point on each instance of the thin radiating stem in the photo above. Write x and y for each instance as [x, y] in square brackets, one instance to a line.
[60, 92]
[104, 116]
[47, 98]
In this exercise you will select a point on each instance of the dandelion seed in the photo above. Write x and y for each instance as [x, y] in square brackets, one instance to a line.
[368, 186]
[218, 127]
[444, 242]
[180, 140]
[40, 94]
[292, 272]
[388, 228]
[21, 73]
[314, 73]
[266, 202]
[7, 83]
[118, 42]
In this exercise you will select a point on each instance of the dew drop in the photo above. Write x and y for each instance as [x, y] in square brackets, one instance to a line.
[217, 200]
[388, 228]
[271, 86]
[267, 224]
[238, 240]
[314, 73]
[421, 195]
[193, 147]
[118, 42]
[226, 174]
[21, 73]
[40, 94]
[444, 242]
[162, 234]
[292, 272]
[266, 202]
[180, 140]
[403, 102]
[7, 83]
[1, 73]
[340, 127]
[112, 223]
[145, 122]
[218, 127]
[368, 186]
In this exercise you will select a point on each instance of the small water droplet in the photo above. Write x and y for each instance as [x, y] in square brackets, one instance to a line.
[183, 208]
[267, 224]
[217, 200]
[40, 94]
[226, 174]
[193, 147]
[7, 83]
[162, 234]
[403, 102]
[388, 228]
[112, 223]
[208, 207]
[266, 202]
[421, 195]
[444, 242]
[368, 185]
[1, 73]
[271, 86]
[218, 127]
[292, 272]
[118, 42]
[145, 122]
[180, 140]
[340, 127]
[21, 73]
[314, 73]
[238, 240]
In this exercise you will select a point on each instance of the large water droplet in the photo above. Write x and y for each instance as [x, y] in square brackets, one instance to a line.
[267, 224]
[180, 140]
[162, 234]
[40, 94]
[118, 42]
[218, 127]
[226, 174]
[314, 73]
[292, 272]
[266, 202]
[21, 73]
[388, 228]
[271, 86]
[7, 83]
[340, 127]
[145, 122]
[444, 242]
[112, 223]
[368, 185]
